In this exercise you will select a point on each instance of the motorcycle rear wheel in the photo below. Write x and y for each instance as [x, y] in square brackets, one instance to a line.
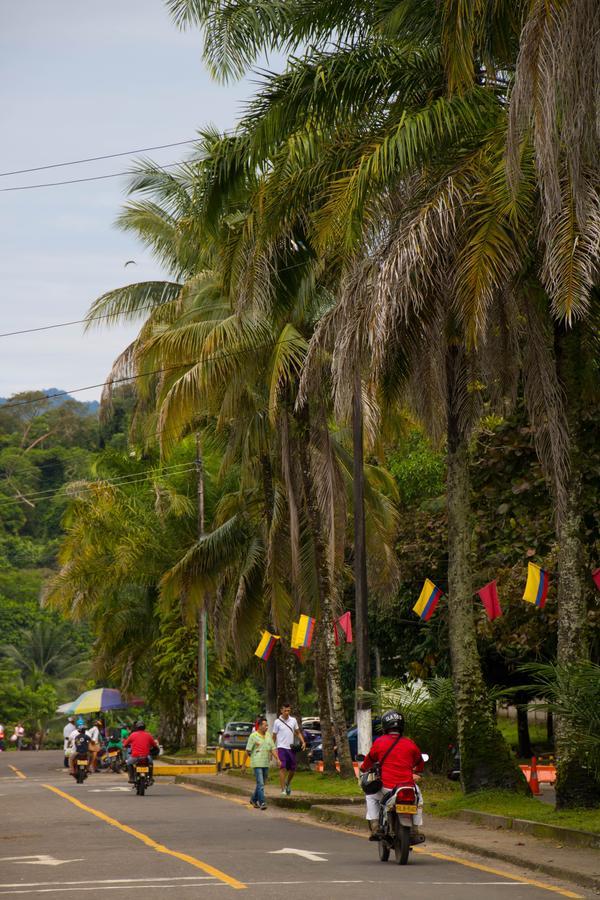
[141, 787]
[80, 774]
[402, 843]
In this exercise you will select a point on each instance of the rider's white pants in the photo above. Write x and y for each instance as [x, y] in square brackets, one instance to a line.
[374, 805]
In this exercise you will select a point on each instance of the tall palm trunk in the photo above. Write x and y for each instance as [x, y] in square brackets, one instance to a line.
[485, 757]
[573, 784]
[327, 658]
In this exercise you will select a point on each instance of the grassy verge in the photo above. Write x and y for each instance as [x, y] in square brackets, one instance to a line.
[315, 783]
[537, 734]
[442, 801]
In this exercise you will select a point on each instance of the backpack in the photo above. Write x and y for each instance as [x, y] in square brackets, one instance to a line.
[81, 743]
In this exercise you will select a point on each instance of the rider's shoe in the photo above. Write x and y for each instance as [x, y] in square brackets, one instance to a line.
[376, 836]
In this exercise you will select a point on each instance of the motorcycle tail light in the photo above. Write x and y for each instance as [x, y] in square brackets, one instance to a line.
[405, 795]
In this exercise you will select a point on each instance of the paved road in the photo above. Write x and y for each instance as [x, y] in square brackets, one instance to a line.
[99, 839]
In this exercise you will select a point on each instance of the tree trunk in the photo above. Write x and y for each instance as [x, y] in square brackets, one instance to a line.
[327, 650]
[574, 786]
[327, 738]
[287, 679]
[363, 667]
[523, 737]
[271, 710]
[485, 758]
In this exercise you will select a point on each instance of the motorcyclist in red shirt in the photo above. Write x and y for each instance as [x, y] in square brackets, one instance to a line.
[141, 743]
[402, 759]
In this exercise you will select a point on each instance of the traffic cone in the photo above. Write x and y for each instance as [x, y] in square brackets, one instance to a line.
[534, 783]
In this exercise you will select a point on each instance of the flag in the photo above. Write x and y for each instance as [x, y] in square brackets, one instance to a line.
[428, 600]
[343, 625]
[302, 632]
[596, 577]
[489, 598]
[266, 645]
[536, 589]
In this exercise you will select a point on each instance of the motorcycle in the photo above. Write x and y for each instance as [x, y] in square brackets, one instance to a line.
[81, 768]
[141, 776]
[115, 763]
[400, 816]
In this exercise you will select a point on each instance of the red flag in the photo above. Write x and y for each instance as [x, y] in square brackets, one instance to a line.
[596, 577]
[489, 598]
[343, 625]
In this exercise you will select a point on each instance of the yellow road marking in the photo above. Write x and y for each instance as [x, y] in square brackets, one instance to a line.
[446, 857]
[492, 871]
[145, 839]
[17, 772]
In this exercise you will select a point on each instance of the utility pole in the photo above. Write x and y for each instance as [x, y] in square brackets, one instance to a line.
[363, 665]
[201, 717]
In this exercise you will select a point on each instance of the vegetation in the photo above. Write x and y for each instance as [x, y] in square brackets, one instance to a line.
[401, 234]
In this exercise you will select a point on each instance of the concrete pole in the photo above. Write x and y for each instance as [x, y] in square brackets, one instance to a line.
[202, 707]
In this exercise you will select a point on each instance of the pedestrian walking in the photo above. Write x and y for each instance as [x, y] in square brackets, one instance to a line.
[260, 749]
[18, 735]
[288, 740]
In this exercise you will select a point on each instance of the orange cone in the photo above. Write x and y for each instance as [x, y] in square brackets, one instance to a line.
[534, 783]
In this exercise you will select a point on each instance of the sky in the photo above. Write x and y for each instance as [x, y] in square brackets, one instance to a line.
[81, 79]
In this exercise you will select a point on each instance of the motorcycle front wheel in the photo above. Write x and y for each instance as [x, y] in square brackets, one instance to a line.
[384, 851]
[402, 843]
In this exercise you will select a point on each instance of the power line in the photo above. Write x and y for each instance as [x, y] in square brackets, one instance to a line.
[108, 315]
[78, 321]
[180, 365]
[24, 498]
[77, 162]
[31, 187]
[118, 479]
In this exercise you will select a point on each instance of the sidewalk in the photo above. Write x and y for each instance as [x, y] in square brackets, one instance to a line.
[579, 865]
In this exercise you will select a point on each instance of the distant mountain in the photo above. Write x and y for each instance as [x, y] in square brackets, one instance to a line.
[59, 397]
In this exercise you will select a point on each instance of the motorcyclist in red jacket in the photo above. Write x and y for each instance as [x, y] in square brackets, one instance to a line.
[402, 759]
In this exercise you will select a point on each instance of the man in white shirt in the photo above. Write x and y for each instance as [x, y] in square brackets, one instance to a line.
[67, 732]
[286, 732]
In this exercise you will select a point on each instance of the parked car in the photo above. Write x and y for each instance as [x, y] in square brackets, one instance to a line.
[315, 752]
[235, 735]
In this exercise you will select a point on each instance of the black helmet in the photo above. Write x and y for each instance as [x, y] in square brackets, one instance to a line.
[141, 725]
[392, 721]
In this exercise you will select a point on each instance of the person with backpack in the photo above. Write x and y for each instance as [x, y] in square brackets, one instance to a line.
[397, 758]
[288, 740]
[79, 744]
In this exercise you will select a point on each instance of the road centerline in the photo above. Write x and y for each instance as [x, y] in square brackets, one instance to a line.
[17, 772]
[150, 842]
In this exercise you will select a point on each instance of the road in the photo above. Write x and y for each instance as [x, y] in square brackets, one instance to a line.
[100, 839]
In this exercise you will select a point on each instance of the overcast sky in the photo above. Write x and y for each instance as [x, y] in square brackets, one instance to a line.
[81, 79]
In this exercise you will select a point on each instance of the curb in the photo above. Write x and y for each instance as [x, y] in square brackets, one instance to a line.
[179, 769]
[571, 836]
[341, 817]
[296, 801]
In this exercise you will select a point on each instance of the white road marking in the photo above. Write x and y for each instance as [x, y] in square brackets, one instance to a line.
[107, 790]
[114, 887]
[305, 854]
[111, 881]
[39, 860]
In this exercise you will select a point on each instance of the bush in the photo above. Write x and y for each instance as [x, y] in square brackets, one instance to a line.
[429, 713]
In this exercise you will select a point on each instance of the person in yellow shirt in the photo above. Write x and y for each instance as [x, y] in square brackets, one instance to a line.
[260, 749]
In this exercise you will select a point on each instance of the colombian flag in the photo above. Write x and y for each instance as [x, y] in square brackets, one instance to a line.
[536, 589]
[267, 642]
[302, 633]
[428, 600]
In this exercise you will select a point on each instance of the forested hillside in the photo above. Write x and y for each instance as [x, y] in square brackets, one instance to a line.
[44, 445]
